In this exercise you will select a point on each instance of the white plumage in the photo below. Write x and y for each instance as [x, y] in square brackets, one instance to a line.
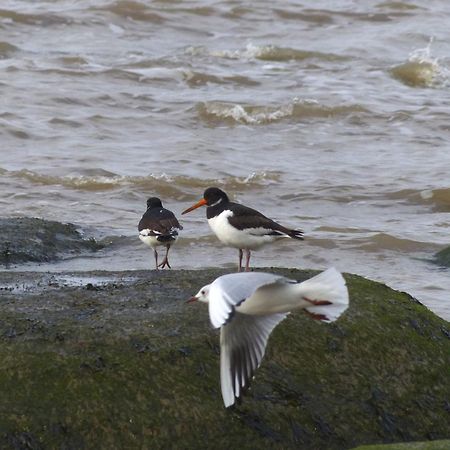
[239, 226]
[249, 238]
[248, 306]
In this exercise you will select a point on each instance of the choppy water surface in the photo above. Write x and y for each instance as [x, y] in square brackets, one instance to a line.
[328, 116]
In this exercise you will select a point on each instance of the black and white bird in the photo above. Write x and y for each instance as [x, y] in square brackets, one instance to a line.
[248, 306]
[239, 226]
[158, 227]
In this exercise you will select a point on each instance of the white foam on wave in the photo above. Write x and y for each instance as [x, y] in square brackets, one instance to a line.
[422, 69]
[251, 51]
[256, 115]
[248, 116]
[161, 73]
[427, 194]
[116, 29]
[155, 181]
[89, 182]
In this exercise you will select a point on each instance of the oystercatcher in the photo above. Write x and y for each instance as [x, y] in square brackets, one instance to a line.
[248, 306]
[239, 226]
[158, 227]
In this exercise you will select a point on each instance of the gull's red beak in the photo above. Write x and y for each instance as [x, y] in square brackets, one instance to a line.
[192, 300]
[202, 202]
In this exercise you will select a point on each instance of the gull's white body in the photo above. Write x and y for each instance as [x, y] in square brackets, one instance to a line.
[248, 306]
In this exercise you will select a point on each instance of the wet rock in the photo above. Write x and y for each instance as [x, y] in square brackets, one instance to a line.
[428, 445]
[443, 257]
[30, 239]
[132, 365]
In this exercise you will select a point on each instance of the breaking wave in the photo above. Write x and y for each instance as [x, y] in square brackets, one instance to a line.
[439, 198]
[191, 77]
[129, 9]
[383, 241]
[46, 19]
[215, 112]
[274, 53]
[174, 186]
[421, 69]
[7, 49]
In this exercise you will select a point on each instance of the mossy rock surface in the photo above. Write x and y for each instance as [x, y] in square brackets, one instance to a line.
[430, 445]
[29, 239]
[112, 360]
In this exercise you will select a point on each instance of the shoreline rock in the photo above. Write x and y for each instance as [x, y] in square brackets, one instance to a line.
[442, 257]
[118, 360]
[28, 239]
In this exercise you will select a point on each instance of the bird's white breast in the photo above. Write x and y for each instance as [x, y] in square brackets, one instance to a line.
[250, 238]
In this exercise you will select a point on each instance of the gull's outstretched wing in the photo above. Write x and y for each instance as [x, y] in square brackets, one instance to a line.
[242, 345]
[229, 291]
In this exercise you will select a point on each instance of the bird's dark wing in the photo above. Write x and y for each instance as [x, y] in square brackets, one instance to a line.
[245, 218]
[160, 221]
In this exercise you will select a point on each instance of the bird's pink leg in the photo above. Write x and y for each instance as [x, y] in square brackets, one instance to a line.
[165, 261]
[315, 316]
[318, 302]
[156, 258]
[247, 264]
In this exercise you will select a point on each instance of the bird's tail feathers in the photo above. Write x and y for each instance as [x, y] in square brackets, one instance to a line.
[329, 290]
[296, 234]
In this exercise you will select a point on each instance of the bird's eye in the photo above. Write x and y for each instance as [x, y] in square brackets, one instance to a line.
[203, 292]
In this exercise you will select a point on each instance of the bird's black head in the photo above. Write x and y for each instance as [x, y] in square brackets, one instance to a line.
[211, 197]
[214, 195]
[154, 202]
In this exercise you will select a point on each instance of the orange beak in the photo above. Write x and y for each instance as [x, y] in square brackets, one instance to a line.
[192, 300]
[202, 202]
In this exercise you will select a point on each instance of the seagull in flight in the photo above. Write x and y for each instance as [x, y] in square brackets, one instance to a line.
[247, 306]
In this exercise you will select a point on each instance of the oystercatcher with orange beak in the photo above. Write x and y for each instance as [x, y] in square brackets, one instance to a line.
[239, 226]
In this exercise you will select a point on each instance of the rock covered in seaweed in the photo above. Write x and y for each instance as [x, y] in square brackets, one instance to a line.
[30, 239]
[118, 360]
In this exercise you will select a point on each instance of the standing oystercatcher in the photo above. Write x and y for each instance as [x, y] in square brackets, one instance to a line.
[158, 227]
[239, 226]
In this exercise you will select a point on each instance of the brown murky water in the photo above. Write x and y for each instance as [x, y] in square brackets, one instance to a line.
[328, 116]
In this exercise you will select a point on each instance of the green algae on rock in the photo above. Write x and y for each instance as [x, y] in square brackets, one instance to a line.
[30, 239]
[121, 361]
[430, 445]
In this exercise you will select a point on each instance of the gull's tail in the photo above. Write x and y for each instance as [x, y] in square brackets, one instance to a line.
[327, 293]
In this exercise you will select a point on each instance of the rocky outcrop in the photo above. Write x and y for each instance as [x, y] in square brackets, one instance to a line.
[443, 257]
[119, 360]
[29, 239]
